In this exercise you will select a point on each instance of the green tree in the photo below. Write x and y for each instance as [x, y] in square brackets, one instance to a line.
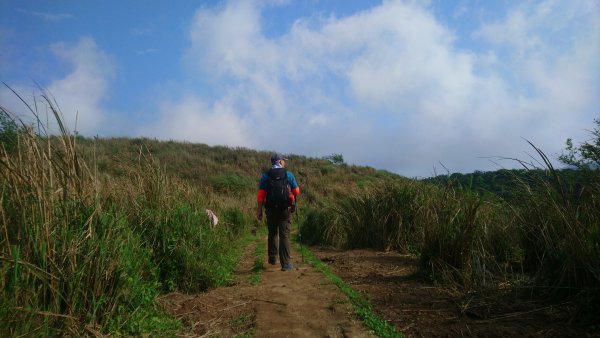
[587, 154]
[336, 159]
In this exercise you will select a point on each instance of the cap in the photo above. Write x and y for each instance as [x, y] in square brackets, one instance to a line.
[277, 157]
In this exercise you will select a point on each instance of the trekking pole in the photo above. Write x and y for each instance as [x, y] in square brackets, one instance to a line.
[299, 232]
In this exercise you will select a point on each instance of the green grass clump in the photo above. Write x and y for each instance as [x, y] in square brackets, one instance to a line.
[259, 266]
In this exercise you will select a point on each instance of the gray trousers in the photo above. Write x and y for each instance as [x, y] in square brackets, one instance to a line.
[280, 227]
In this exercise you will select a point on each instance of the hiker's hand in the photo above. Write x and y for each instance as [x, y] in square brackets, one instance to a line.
[259, 211]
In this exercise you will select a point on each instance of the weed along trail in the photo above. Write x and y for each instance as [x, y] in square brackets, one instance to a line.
[267, 302]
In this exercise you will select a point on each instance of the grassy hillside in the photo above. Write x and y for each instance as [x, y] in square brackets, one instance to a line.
[225, 175]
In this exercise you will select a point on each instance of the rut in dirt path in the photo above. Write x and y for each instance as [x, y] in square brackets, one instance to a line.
[297, 303]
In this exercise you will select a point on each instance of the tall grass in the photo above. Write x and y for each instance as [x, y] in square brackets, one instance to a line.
[68, 266]
[546, 237]
[445, 227]
[381, 216]
[84, 253]
[170, 216]
[561, 234]
[450, 227]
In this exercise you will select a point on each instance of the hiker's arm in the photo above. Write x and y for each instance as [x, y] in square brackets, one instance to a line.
[295, 191]
[293, 184]
[260, 202]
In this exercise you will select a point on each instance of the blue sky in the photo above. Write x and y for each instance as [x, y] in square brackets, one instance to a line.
[399, 85]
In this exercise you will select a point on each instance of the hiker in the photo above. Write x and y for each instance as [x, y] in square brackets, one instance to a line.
[277, 192]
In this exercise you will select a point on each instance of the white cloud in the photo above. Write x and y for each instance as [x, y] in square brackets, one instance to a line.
[192, 119]
[80, 93]
[388, 87]
[11, 102]
[549, 51]
[318, 120]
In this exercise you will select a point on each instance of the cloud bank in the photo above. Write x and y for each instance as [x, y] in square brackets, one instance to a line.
[388, 87]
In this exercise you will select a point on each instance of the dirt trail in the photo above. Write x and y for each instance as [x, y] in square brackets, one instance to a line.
[297, 303]
[303, 303]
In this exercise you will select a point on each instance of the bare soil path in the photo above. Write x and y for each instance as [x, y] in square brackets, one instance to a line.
[297, 303]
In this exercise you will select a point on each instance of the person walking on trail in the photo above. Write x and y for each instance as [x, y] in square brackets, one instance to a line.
[277, 191]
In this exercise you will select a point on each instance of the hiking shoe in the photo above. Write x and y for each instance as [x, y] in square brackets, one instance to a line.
[272, 261]
[287, 267]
